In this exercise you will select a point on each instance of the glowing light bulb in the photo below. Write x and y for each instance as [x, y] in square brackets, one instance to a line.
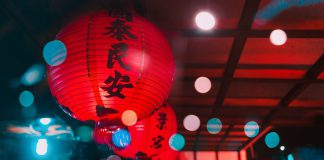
[214, 125]
[278, 37]
[205, 21]
[26, 98]
[202, 84]
[177, 142]
[290, 157]
[191, 122]
[129, 117]
[33, 75]
[45, 121]
[41, 147]
[251, 129]
[54, 53]
[272, 139]
[121, 138]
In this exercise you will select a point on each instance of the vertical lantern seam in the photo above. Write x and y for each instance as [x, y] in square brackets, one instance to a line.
[88, 50]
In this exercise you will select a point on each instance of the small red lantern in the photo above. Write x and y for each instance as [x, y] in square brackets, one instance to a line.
[116, 61]
[150, 136]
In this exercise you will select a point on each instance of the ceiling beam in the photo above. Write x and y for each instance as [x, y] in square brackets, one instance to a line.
[246, 108]
[224, 136]
[249, 11]
[258, 33]
[245, 66]
[312, 73]
[263, 80]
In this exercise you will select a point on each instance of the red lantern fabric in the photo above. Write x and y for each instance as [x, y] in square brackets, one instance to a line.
[150, 136]
[116, 61]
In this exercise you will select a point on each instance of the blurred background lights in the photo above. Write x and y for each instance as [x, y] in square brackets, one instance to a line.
[202, 84]
[272, 139]
[129, 117]
[41, 147]
[177, 142]
[26, 98]
[84, 133]
[113, 157]
[282, 148]
[45, 121]
[33, 75]
[251, 129]
[214, 125]
[205, 21]
[278, 37]
[290, 157]
[121, 138]
[191, 122]
[54, 53]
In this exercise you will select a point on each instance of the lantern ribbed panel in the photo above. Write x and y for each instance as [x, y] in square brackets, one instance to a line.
[77, 83]
[144, 131]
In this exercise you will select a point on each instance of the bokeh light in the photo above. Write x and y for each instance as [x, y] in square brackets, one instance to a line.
[113, 157]
[282, 148]
[129, 117]
[290, 157]
[45, 121]
[26, 98]
[191, 122]
[278, 37]
[33, 75]
[272, 139]
[41, 147]
[54, 53]
[202, 84]
[84, 133]
[251, 129]
[214, 125]
[205, 21]
[121, 138]
[177, 142]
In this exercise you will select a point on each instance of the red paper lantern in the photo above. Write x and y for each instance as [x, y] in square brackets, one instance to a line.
[150, 136]
[116, 61]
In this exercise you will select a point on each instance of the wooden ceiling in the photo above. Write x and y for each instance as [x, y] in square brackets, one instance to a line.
[252, 79]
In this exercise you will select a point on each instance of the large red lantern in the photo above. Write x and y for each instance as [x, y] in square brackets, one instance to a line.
[150, 136]
[116, 61]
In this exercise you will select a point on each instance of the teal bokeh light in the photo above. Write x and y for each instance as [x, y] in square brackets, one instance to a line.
[272, 139]
[33, 75]
[54, 52]
[251, 129]
[177, 142]
[26, 98]
[290, 157]
[121, 138]
[214, 125]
